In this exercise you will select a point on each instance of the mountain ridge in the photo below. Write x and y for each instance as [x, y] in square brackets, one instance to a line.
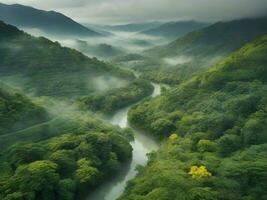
[175, 29]
[50, 22]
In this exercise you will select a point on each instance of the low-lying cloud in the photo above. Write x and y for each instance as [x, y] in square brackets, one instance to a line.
[173, 61]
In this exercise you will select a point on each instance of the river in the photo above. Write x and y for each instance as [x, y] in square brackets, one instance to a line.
[141, 145]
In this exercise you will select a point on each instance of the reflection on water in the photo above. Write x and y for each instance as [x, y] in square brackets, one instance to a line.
[142, 145]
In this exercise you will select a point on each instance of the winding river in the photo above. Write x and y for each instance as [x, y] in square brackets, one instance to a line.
[141, 145]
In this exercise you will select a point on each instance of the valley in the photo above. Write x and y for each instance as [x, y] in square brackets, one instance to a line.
[158, 109]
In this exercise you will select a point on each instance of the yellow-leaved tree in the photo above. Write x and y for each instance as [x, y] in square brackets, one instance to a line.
[173, 137]
[199, 172]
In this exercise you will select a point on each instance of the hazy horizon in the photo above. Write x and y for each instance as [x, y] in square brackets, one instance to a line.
[137, 11]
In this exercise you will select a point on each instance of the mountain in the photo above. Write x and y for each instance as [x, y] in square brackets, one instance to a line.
[42, 67]
[98, 50]
[132, 27]
[50, 22]
[52, 152]
[219, 38]
[200, 49]
[173, 30]
[18, 112]
[47, 144]
[214, 134]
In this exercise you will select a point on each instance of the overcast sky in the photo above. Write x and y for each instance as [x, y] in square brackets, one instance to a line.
[124, 11]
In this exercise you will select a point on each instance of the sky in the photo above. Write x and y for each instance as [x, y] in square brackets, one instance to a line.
[127, 11]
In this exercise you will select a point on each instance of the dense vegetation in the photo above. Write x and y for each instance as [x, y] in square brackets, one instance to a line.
[49, 148]
[61, 167]
[198, 50]
[103, 51]
[43, 67]
[113, 100]
[215, 125]
[17, 112]
[58, 159]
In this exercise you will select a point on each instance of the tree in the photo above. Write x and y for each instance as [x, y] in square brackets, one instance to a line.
[173, 137]
[229, 144]
[65, 161]
[199, 172]
[25, 153]
[206, 145]
[162, 127]
[38, 179]
[86, 175]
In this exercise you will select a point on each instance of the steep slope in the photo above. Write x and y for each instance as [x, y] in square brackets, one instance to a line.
[103, 50]
[111, 101]
[217, 39]
[50, 22]
[199, 49]
[17, 112]
[216, 127]
[173, 30]
[43, 67]
[65, 157]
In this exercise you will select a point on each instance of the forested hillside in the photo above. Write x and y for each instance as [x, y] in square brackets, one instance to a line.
[49, 148]
[57, 157]
[200, 49]
[113, 100]
[17, 112]
[214, 131]
[42, 67]
[173, 30]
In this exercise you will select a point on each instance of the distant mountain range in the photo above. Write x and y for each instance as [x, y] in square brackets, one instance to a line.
[131, 27]
[218, 38]
[50, 22]
[198, 50]
[174, 29]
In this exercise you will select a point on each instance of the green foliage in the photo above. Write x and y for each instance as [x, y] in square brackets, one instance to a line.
[47, 68]
[206, 146]
[113, 100]
[36, 180]
[42, 161]
[220, 116]
[63, 166]
[17, 112]
[203, 48]
[85, 174]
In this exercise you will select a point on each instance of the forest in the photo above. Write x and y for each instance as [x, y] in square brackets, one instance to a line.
[130, 105]
[214, 132]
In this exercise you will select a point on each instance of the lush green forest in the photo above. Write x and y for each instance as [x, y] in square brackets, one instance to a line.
[60, 157]
[49, 148]
[43, 67]
[214, 132]
[194, 52]
[63, 113]
[17, 112]
[110, 101]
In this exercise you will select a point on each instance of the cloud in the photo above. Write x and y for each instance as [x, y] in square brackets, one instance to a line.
[121, 11]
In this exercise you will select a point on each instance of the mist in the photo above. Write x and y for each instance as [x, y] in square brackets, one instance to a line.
[118, 42]
[172, 61]
[105, 83]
